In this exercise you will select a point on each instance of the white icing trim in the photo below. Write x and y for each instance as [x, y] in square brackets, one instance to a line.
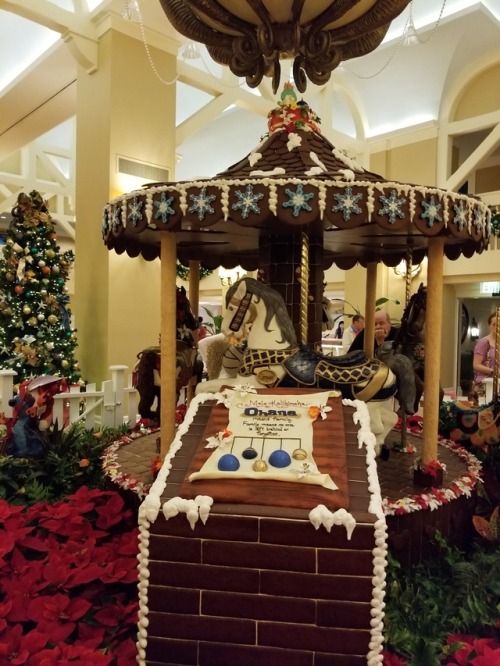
[367, 438]
[294, 141]
[253, 158]
[277, 171]
[472, 207]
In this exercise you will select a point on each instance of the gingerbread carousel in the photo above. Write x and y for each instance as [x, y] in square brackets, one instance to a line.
[264, 536]
[291, 208]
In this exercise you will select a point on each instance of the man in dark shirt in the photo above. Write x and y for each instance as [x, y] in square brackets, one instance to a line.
[384, 332]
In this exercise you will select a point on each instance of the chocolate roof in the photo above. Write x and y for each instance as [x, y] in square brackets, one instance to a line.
[295, 180]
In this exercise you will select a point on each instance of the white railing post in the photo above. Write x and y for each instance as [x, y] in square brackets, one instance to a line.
[118, 379]
[108, 406]
[6, 391]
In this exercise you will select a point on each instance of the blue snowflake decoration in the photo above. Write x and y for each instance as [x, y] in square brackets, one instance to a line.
[116, 218]
[431, 212]
[392, 206]
[478, 220]
[134, 211]
[347, 203]
[460, 215]
[298, 200]
[201, 203]
[164, 208]
[247, 201]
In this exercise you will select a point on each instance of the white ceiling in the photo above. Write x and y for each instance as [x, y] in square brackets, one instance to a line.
[396, 86]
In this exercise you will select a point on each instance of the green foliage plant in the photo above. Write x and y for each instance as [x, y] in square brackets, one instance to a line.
[214, 325]
[425, 603]
[72, 459]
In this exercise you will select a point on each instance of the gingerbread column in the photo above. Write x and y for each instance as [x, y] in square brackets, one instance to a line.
[280, 262]
[432, 368]
[168, 334]
[371, 297]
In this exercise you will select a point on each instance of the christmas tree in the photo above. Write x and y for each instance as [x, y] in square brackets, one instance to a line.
[36, 337]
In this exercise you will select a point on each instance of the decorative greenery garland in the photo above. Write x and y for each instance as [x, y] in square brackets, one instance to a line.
[183, 272]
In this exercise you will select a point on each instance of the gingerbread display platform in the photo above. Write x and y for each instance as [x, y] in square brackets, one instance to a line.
[274, 572]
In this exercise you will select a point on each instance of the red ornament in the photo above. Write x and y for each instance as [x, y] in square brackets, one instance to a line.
[18, 289]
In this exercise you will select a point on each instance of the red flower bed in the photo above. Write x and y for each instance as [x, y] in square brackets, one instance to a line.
[68, 582]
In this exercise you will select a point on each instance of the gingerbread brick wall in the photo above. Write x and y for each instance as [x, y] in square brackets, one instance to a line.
[255, 590]
[258, 585]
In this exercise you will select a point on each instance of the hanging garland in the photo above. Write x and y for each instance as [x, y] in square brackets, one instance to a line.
[183, 272]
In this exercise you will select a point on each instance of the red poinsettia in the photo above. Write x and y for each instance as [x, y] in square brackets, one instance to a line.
[432, 468]
[471, 651]
[68, 575]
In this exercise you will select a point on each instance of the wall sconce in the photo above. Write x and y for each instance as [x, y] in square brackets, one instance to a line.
[474, 330]
[228, 276]
[401, 269]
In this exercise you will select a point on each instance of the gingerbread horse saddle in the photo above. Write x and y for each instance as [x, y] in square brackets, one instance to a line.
[354, 375]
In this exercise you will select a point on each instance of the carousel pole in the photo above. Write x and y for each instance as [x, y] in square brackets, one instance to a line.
[194, 300]
[371, 297]
[432, 367]
[496, 366]
[194, 287]
[304, 286]
[168, 335]
[409, 266]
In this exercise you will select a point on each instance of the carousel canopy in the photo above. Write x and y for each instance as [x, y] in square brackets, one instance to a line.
[295, 180]
[251, 37]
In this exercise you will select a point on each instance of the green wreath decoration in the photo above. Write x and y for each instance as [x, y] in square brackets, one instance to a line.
[183, 272]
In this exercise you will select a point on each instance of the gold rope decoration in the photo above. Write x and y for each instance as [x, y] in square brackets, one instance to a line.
[408, 276]
[304, 286]
[497, 356]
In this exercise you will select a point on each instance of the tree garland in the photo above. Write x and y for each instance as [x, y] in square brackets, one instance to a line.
[183, 272]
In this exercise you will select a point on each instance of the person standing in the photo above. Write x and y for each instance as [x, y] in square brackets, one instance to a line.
[357, 325]
[483, 361]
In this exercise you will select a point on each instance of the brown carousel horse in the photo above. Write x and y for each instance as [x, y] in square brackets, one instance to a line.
[189, 365]
[409, 340]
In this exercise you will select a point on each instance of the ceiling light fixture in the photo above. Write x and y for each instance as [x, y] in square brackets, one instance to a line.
[410, 34]
[131, 11]
[190, 51]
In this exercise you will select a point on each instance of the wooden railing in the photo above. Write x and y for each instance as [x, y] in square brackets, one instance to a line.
[111, 406]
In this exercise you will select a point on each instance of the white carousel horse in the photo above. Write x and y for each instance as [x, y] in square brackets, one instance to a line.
[273, 357]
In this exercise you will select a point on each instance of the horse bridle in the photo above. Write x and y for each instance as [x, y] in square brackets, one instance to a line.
[241, 312]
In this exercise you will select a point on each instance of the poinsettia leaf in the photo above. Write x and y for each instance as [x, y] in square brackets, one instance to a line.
[83, 576]
[495, 524]
[482, 526]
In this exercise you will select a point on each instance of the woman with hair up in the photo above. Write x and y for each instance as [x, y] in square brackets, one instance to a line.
[484, 359]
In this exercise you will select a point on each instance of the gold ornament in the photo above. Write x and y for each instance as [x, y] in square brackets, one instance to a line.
[259, 466]
[32, 321]
[26, 310]
[65, 363]
[56, 269]
[299, 454]
[267, 377]
[52, 319]
[9, 276]
[50, 254]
